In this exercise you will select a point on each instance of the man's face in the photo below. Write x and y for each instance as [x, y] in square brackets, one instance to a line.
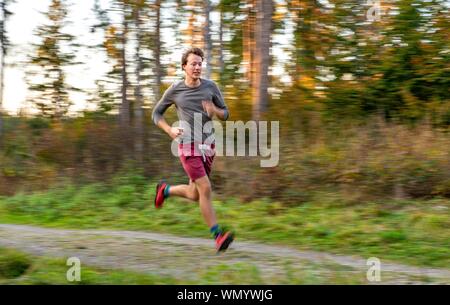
[193, 67]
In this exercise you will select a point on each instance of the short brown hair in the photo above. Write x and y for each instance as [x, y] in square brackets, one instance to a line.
[195, 51]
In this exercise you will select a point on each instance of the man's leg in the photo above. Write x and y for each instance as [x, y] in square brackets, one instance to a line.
[188, 191]
[223, 238]
[204, 191]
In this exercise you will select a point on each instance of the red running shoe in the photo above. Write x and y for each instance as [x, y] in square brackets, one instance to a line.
[159, 195]
[223, 241]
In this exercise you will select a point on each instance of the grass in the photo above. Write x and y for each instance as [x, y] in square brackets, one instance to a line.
[18, 268]
[22, 269]
[412, 232]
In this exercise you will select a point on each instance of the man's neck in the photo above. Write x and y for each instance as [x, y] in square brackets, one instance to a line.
[192, 82]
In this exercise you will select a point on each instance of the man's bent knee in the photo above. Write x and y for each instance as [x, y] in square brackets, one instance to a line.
[193, 194]
[203, 185]
[192, 191]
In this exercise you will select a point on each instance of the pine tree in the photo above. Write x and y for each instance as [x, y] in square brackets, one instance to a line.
[48, 79]
[105, 96]
[138, 9]
[4, 40]
[232, 49]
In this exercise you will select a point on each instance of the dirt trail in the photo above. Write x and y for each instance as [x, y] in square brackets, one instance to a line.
[190, 258]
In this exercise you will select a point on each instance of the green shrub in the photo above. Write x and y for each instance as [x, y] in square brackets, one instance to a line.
[13, 264]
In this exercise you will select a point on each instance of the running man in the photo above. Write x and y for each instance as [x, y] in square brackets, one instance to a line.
[197, 101]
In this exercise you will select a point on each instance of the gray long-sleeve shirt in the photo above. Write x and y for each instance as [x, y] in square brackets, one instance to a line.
[188, 102]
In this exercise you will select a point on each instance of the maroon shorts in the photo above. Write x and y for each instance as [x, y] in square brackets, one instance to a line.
[196, 162]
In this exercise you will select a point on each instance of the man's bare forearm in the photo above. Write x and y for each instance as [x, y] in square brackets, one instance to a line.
[163, 125]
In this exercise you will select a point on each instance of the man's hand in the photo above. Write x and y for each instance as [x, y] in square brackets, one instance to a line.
[174, 132]
[209, 108]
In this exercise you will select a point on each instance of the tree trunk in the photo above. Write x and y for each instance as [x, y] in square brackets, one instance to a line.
[125, 106]
[138, 112]
[190, 32]
[124, 115]
[207, 38]
[2, 71]
[262, 58]
[157, 52]
[248, 41]
[221, 46]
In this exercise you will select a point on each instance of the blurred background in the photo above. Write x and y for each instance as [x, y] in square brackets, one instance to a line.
[361, 90]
